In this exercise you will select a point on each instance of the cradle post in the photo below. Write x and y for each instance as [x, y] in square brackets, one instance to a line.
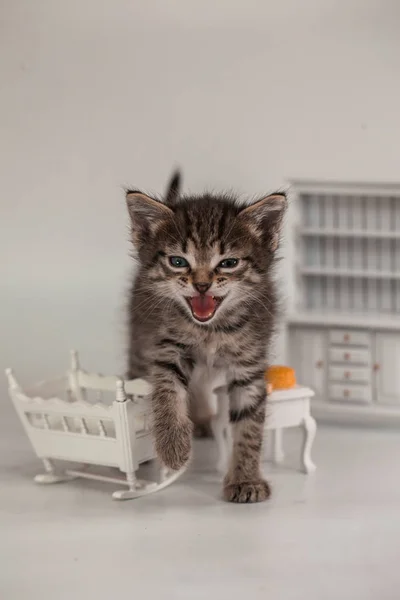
[125, 428]
[74, 377]
[12, 382]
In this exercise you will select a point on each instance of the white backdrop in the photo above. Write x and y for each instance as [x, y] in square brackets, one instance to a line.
[98, 95]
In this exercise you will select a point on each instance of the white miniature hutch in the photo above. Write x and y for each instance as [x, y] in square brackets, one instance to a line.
[343, 320]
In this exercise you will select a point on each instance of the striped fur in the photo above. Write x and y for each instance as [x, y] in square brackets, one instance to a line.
[182, 355]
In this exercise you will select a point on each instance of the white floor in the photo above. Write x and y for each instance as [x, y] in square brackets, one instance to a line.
[335, 534]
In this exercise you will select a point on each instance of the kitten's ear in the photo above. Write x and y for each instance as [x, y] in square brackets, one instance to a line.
[146, 214]
[174, 189]
[265, 217]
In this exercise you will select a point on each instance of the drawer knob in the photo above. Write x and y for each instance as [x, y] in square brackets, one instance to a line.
[346, 337]
[319, 364]
[377, 366]
[347, 374]
[346, 393]
[347, 356]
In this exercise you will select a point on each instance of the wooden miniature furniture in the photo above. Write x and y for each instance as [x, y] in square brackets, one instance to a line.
[63, 424]
[343, 325]
[291, 408]
[285, 408]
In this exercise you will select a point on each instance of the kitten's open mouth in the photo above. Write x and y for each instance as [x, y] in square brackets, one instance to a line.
[204, 307]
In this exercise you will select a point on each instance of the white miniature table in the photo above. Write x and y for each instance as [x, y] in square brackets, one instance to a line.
[291, 408]
[285, 408]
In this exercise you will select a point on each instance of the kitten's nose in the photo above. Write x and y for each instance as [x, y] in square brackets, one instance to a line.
[202, 287]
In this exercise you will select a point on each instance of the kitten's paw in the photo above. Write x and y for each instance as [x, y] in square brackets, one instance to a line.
[174, 446]
[247, 491]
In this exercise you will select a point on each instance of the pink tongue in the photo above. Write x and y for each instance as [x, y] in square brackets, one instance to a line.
[203, 306]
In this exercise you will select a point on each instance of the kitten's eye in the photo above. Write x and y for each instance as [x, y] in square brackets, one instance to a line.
[178, 262]
[228, 263]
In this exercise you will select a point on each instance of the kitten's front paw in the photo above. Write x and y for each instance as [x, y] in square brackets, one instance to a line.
[174, 445]
[247, 491]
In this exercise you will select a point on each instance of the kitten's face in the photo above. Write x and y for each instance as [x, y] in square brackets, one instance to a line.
[204, 279]
[206, 254]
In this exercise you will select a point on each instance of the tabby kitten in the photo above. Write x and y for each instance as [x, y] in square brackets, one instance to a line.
[203, 304]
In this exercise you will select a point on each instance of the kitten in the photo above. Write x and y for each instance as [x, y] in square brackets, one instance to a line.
[202, 306]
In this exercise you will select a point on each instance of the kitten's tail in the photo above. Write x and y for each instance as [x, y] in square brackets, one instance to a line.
[173, 189]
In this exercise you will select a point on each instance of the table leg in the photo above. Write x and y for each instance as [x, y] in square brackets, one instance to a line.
[221, 429]
[278, 454]
[310, 428]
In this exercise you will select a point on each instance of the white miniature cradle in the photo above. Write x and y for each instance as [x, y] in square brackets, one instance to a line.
[63, 424]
